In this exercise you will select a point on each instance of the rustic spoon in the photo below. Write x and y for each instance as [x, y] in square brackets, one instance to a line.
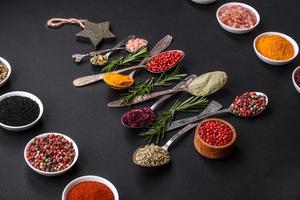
[185, 121]
[79, 57]
[160, 46]
[164, 148]
[139, 99]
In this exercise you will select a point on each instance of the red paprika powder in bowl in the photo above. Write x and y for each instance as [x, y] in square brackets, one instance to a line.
[90, 188]
[214, 138]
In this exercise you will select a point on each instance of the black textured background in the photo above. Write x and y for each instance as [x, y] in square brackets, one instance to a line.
[265, 164]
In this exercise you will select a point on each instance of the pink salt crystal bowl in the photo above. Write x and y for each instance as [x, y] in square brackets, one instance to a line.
[238, 30]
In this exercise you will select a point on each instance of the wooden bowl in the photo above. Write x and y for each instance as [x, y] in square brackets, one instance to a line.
[211, 151]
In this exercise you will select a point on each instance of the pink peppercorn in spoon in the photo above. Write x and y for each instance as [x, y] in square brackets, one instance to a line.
[158, 63]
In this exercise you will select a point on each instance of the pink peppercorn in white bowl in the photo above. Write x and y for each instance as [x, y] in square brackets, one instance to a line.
[234, 29]
[56, 173]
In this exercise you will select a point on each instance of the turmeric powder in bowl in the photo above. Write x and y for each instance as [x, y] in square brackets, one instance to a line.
[118, 81]
[275, 47]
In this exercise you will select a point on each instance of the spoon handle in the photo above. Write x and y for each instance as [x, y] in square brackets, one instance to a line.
[85, 80]
[78, 57]
[211, 107]
[178, 135]
[165, 97]
[120, 44]
[138, 99]
[159, 47]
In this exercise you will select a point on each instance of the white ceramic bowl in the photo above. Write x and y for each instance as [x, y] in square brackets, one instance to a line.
[9, 70]
[28, 95]
[52, 173]
[90, 178]
[204, 1]
[276, 62]
[237, 30]
[293, 78]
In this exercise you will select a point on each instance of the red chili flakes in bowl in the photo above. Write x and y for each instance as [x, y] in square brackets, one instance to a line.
[215, 133]
[164, 61]
[237, 16]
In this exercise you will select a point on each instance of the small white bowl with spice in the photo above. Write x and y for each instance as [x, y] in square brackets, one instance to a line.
[20, 110]
[51, 154]
[90, 185]
[237, 18]
[5, 71]
[204, 1]
[296, 78]
[275, 48]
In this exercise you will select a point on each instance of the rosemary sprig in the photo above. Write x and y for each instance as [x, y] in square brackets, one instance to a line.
[138, 89]
[158, 127]
[131, 58]
[146, 87]
[166, 79]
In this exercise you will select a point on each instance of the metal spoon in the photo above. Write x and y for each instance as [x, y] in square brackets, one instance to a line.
[162, 151]
[79, 57]
[212, 107]
[160, 46]
[185, 121]
[146, 66]
[139, 99]
[161, 100]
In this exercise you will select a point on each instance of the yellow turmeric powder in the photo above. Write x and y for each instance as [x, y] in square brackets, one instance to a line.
[118, 80]
[275, 47]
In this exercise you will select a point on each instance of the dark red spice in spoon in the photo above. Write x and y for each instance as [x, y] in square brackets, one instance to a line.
[139, 117]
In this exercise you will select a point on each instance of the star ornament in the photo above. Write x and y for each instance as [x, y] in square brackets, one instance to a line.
[95, 33]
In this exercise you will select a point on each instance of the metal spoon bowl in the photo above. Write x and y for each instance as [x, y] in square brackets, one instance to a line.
[134, 157]
[170, 51]
[165, 147]
[120, 88]
[137, 127]
[258, 93]
[140, 66]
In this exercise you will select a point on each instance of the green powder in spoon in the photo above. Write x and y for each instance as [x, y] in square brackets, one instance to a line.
[207, 83]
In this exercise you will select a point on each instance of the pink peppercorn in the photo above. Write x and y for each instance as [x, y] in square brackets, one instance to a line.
[215, 133]
[164, 61]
